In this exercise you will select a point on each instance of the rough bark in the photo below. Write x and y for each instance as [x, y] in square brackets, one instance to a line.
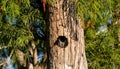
[67, 52]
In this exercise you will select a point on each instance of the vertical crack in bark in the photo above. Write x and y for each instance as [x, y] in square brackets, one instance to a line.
[70, 8]
[72, 17]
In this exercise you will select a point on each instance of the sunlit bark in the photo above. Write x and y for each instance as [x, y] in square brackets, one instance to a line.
[67, 52]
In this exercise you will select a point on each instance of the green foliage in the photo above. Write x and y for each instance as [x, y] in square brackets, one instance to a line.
[96, 11]
[102, 49]
[51, 1]
[14, 36]
[16, 20]
[90, 33]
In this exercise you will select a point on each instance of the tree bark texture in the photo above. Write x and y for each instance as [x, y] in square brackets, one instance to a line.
[67, 49]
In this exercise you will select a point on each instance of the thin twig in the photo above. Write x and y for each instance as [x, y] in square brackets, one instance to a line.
[1, 47]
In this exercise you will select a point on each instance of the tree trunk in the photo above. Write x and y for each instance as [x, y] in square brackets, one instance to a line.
[67, 49]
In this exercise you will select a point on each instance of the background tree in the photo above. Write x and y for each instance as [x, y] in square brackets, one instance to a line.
[20, 32]
[101, 25]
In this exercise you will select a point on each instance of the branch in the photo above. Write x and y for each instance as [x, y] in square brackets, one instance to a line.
[20, 58]
[1, 47]
[2, 61]
[11, 53]
[34, 52]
